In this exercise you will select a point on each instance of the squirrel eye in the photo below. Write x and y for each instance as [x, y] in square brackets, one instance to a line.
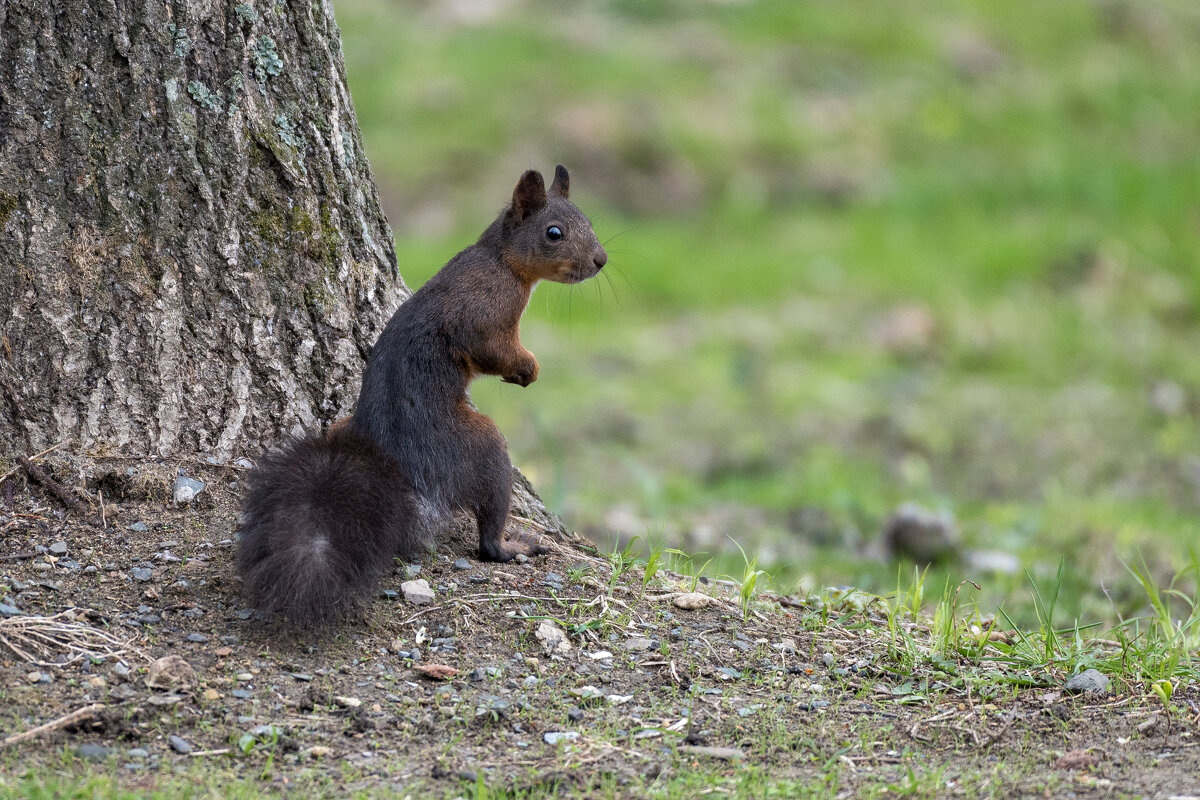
[554, 233]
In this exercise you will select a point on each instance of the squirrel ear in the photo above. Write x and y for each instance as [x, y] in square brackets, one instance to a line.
[528, 197]
[562, 182]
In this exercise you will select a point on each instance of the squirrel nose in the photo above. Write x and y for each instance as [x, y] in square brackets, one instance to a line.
[600, 259]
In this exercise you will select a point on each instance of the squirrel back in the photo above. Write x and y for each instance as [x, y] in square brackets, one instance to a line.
[325, 514]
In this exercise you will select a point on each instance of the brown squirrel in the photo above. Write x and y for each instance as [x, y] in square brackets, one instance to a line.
[325, 514]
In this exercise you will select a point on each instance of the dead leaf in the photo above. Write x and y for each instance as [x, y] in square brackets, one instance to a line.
[437, 672]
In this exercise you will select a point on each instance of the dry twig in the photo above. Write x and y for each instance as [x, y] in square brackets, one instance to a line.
[38, 639]
[66, 721]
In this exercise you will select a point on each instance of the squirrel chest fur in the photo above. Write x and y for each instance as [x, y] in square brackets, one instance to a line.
[325, 514]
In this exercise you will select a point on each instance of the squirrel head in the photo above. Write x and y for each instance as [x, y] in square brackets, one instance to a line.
[545, 237]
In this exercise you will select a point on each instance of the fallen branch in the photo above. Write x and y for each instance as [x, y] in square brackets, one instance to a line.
[74, 718]
[34, 457]
[41, 476]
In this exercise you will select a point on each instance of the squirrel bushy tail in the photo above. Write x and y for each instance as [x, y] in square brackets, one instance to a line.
[324, 515]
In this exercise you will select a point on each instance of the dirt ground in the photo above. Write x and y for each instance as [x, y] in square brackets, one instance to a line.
[639, 693]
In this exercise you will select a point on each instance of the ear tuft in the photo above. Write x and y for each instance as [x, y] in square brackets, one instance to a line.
[528, 198]
[562, 182]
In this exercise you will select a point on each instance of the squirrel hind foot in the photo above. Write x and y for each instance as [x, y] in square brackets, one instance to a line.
[508, 549]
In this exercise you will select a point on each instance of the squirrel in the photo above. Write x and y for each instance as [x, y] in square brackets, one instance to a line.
[325, 514]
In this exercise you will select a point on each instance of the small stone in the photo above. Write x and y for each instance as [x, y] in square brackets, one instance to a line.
[575, 714]
[171, 672]
[412, 570]
[462, 564]
[588, 695]
[10, 611]
[924, 536]
[211, 694]
[186, 489]
[552, 637]
[138, 527]
[267, 733]
[317, 751]
[417, 592]
[521, 558]
[1090, 680]
[222, 652]
[139, 752]
[92, 752]
[121, 669]
[58, 548]
[199, 638]
[97, 682]
[690, 601]
[34, 677]
[245, 677]
[164, 699]
[637, 645]
[554, 737]
[141, 574]
[180, 745]
[242, 694]
[347, 702]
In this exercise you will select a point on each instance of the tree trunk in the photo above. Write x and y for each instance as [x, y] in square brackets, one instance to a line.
[193, 258]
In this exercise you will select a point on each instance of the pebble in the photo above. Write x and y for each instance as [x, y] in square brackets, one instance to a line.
[417, 592]
[1090, 680]
[180, 745]
[138, 527]
[922, 535]
[575, 714]
[186, 489]
[197, 637]
[92, 752]
[142, 574]
[58, 548]
[462, 564]
[171, 672]
[552, 637]
[9, 611]
[242, 694]
[554, 737]
[139, 752]
[690, 601]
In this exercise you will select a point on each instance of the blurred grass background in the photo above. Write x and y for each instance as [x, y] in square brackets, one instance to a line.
[861, 254]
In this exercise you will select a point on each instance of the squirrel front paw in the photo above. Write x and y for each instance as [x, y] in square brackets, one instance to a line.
[524, 374]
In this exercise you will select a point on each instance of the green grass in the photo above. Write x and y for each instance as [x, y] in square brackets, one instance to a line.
[775, 181]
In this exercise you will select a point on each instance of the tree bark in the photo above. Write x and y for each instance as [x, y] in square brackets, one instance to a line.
[193, 258]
